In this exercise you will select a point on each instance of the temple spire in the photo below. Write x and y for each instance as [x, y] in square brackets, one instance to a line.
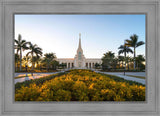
[79, 47]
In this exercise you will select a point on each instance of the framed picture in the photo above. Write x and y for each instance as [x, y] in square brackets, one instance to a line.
[79, 57]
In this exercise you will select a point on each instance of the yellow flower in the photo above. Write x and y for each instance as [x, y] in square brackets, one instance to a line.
[91, 86]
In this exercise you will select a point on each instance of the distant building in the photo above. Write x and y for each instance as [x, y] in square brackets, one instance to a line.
[79, 61]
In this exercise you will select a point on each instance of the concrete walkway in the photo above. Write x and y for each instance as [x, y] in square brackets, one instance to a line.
[120, 74]
[29, 77]
[141, 74]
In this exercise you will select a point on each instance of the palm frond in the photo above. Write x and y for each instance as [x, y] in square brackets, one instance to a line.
[128, 41]
[16, 41]
[139, 43]
[28, 53]
[129, 45]
[120, 52]
[23, 41]
[129, 50]
[121, 47]
[19, 37]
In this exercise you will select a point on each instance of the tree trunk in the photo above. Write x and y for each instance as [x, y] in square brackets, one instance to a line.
[26, 67]
[122, 64]
[32, 64]
[16, 64]
[38, 66]
[125, 62]
[128, 65]
[20, 68]
[47, 67]
[134, 58]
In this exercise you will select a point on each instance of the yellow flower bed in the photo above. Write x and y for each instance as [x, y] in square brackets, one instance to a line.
[81, 85]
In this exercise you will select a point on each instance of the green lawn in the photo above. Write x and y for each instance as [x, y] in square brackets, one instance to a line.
[136, 76]
[22, 76]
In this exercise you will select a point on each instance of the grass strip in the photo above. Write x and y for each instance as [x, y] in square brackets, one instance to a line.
[119, 79]
[37, 81]
[22, 76]
[136, 76]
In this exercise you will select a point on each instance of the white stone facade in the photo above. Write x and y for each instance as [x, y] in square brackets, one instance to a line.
[79, 61]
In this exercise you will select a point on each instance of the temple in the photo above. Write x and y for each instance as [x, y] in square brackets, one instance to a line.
[79, 61]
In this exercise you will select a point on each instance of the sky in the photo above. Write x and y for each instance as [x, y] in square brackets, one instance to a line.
[99, 33]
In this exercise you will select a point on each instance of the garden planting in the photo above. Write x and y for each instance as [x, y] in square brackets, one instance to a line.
[79, 85]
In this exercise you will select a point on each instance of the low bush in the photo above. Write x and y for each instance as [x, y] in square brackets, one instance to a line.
[80, 85]
[37, 81]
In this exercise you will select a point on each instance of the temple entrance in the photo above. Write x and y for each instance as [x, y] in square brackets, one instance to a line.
[79, 64]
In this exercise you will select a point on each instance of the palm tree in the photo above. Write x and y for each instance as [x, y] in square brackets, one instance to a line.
[128, 61]
[133, 42]
[35, 60]
[54, 64]
[63, 65]
[20, 45]
[131, 62]
[97, 65]
[25, 61]
[107, 60]
[16, 61]
[34, 50]
[114, 63]
[48, 59]
[120, 59]
[38, 62]
[124, 49]
[139, 61]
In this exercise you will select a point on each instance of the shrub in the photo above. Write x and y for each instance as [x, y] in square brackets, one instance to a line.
[28, 93]
[62, 95]
[80, 91]
[80, 85]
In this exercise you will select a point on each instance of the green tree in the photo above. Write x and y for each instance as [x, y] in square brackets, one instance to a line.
[39, 62]
[124, 49]
[114, 63]
[133, 42]
[120, 60]
[16, 61]
[21, 45]
[128, 59]
[54, 64]
[139, 62]
[26, 60]
[97, 65]
[36, 60]
[48, 58]
[34, 51]
[107, 60]
[63, 65]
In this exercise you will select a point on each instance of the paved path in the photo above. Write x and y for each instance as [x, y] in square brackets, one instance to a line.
[29, 77]
[141, 74]
[120, 74]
